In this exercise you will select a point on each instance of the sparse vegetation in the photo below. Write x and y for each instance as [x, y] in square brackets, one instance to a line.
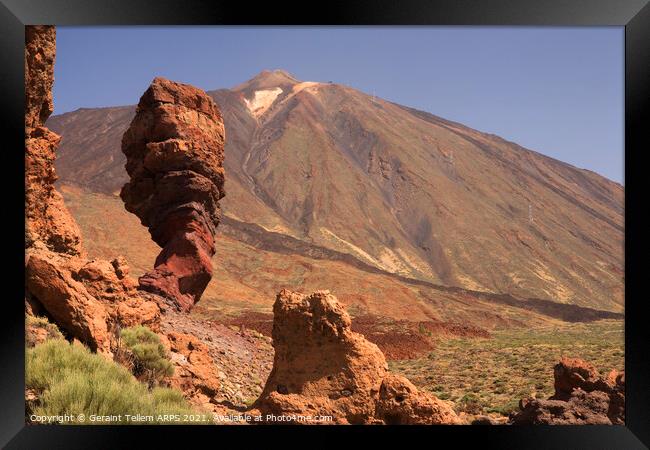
[69, 379]
[141, 350]
[491, 375]
[34, 324]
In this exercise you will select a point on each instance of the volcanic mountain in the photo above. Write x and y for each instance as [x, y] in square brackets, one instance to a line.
[321, 175]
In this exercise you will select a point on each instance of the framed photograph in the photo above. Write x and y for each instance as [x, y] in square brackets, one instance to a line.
[386, 218]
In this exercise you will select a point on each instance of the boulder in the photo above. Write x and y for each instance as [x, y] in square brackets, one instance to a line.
[194, 370]
[581, 408]
[581, 397]
[400, 403]
[49, 278]
[572, 373]
[86, 299]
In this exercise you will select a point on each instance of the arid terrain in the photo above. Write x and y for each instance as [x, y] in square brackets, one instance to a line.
[251, 262]
[395, 188]
[480, 354]
[491, 375]
[369, 262]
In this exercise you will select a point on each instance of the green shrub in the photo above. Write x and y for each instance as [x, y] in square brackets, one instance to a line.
[69, 379]
[509, 407]
[148, 355]
[423, 330]
[469, 403]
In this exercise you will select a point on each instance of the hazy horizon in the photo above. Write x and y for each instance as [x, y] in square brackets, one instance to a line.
[557, 91]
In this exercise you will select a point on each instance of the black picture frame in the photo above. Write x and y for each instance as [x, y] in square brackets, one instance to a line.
[634, 15]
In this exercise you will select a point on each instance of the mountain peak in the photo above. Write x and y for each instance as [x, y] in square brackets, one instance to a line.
[268, 79]
[279, 73]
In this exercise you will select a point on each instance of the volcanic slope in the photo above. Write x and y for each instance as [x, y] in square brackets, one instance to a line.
[400, 190]
[398, 313]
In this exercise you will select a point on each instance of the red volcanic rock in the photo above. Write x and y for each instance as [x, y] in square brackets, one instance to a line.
[40, 52]
[49, 277]
[323, 368]
[174, 149]
[91, 300]
[400, 403]
[86, 299]
[582, 408]
[581, 397]
[195, 372]
[46, 217]
[572, 373]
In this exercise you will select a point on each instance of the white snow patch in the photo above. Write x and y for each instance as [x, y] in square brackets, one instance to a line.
[262, 100]
[304, 85]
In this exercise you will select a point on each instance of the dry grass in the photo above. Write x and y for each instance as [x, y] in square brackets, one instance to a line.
[491, 375]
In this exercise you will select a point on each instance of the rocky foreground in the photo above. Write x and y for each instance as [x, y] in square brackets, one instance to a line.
[320, 367]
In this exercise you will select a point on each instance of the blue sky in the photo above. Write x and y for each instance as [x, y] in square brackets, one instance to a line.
[558, 91]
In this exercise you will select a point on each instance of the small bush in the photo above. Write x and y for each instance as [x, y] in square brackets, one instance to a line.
[508, 408]
[148, 355]
[69, 379]
[423, 330]
[35, 323]
[442, 395]
[469, 403]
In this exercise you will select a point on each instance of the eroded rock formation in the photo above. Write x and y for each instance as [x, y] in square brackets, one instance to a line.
[322, 368]
[91, 300]
[581, 397]
[85, 298]
[46, 217]
[174, 149]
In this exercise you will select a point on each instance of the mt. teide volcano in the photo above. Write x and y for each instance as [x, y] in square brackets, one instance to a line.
[398, 189]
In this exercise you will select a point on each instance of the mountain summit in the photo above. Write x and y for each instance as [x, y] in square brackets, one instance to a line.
[268, 79]
[269, 88]
[397, 189]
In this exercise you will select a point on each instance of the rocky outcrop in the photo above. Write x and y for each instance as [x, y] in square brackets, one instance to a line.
[573, 373]
[46, 217]
[581, 397]
[174, 149]
[86, 299]
[322, 368]
[40, 52]
[49, 278]
[91, 300]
